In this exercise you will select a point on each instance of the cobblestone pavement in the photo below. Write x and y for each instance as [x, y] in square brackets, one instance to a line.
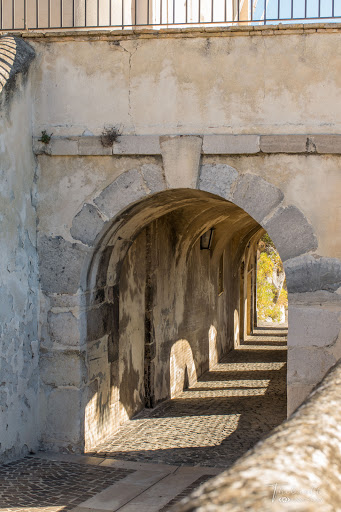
[211, 424]
[224, 414]
[33, 484]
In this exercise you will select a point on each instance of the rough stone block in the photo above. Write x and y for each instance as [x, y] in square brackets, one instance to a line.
[181, 157]
[61, 264]
[64, 329]
[65, 415]
[126, 189]
[87, 224]
[283, 143]
[217, 179]
[92, 145]
[256, 196]
[154, 177]
[137, 145]
[313, 326]
[308, 274]
[230, 144]
[62, 368]
[291, 232]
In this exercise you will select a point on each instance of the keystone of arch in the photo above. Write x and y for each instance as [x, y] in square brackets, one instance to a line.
[181, 159]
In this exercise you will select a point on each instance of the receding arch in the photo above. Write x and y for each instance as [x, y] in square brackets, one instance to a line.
[184, 215]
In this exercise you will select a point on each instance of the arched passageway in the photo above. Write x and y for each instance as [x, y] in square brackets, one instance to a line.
[173, 287]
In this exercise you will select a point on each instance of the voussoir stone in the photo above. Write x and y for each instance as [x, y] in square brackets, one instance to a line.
[217, 179]
[126, 189]
[154, 177]
[256, 196]
[61, 263]
[308, 274]
[291, 232]
[87, 224]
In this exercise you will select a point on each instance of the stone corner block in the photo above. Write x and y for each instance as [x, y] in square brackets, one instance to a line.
[61, 264]
[217, 179]
[64, 412]
[256, 196]
[291, 232]
[137, 145]
[230, 144]
[87, 224]
[64, 329]
[307, 273]
[181, 158]
[62, 368]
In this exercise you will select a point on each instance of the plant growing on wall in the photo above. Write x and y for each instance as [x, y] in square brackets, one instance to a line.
[272, 296]
[109, 136]
[45, 137]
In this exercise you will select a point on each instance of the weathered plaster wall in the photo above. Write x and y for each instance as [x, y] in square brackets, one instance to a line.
[258, 88]
[19, 347]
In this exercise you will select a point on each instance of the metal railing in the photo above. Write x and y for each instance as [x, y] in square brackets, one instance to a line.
[71, 14]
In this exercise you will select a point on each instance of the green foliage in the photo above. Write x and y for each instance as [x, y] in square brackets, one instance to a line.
[269, 298]
[45, 137]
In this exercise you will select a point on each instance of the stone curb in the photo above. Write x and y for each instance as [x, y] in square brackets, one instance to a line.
[212, 145]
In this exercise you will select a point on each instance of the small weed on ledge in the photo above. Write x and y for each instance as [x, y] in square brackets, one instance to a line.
[45, 137]
[109, 136]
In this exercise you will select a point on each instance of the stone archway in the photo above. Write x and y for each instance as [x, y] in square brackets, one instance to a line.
[85, 298]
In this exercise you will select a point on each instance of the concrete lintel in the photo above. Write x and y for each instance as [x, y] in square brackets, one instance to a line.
[244, 144]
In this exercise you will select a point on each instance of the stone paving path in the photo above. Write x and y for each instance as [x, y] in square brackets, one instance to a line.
[224, 414]
[161, 456]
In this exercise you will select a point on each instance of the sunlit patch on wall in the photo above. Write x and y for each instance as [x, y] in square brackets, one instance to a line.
[213, 349]
[8, 50]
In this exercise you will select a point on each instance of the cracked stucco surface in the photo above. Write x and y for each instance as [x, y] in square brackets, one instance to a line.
[18, 276]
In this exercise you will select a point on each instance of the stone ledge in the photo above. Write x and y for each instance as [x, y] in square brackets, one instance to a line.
[145, 145]
[197, 31]
[230, 144]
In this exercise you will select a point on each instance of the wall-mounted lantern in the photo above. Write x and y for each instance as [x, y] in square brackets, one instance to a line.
[206, 239]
